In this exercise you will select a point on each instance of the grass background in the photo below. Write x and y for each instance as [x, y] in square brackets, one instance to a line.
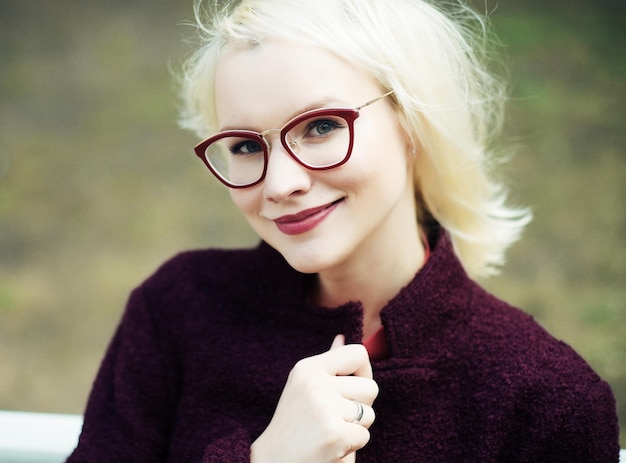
[98, 185]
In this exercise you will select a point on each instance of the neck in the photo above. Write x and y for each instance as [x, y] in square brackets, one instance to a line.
[374, 279]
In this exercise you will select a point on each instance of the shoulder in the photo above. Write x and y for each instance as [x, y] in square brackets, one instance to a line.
[212, 267]
[196, 279]
[541, 381]
[516, 341]
[490, 334]
[530, 375]
[515, 353]
[199, 287]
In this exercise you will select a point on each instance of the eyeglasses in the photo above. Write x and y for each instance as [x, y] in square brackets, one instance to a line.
[319, 139]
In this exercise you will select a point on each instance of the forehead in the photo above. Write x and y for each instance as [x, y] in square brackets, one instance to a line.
[270, 82]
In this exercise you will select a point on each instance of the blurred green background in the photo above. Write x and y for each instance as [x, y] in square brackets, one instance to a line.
[98, 185]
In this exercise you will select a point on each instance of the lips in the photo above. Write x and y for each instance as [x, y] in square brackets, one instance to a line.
[303, 221]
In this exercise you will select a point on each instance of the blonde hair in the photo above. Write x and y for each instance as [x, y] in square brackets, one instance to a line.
[447, 101]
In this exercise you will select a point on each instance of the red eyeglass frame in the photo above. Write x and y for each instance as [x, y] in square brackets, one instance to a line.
[349, 115]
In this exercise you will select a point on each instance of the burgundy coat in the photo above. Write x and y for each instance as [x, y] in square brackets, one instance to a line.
[204, 348]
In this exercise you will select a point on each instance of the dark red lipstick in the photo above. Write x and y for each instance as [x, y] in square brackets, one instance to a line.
[303, 221]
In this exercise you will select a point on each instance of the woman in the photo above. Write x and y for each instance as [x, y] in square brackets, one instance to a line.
[353, 135]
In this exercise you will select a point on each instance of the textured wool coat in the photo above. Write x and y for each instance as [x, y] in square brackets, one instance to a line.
[203, 351]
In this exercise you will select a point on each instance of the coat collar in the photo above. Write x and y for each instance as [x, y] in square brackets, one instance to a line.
[417, 321]
[424, 314]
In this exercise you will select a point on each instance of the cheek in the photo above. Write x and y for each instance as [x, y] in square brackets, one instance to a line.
[383, 159]
[384, 145]
[245, 200]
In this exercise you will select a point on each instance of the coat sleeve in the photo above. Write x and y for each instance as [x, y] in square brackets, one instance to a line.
[232, 448]
[131, 405]
[133, 411]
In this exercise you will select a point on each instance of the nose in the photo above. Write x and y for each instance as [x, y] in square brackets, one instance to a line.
[285, 177]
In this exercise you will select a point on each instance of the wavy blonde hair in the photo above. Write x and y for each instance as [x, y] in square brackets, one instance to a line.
[447, 101]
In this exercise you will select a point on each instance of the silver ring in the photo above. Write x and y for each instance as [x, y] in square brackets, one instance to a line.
[359, 413]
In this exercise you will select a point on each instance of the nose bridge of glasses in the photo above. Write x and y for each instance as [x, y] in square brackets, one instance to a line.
[290, 141]
[265, 136]
[265, 133]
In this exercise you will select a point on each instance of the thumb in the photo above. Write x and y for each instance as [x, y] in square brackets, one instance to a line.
[340, 340]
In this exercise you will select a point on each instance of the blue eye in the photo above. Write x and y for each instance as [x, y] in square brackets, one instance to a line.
[246, 148]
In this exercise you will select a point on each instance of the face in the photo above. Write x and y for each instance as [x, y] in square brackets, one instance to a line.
[324, 221]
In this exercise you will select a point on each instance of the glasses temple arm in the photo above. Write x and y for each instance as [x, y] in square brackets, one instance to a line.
[374, 100]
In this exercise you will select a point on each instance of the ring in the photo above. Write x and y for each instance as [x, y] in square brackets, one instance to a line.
[359, 413]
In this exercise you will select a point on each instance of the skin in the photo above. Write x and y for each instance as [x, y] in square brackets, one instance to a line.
[367, 248]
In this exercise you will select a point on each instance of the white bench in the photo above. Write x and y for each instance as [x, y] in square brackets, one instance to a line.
[37, 437]
[48, 438]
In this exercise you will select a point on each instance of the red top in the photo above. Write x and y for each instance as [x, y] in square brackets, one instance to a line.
[376, 344]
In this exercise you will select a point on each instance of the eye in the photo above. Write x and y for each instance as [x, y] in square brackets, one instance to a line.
[323, 127]
[246, 148]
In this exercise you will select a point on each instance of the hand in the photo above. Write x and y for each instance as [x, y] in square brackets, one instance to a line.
[313, 421]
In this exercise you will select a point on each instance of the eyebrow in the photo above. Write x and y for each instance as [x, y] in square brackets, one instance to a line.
[317, 104]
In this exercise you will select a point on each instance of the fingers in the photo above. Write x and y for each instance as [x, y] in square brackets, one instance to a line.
[343, 360]
[357, 388]
[340, 340]
[358, 413]
[357, 438]
[358, 384]
[325, 409]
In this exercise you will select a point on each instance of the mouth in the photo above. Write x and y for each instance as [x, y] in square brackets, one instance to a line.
[303, 221]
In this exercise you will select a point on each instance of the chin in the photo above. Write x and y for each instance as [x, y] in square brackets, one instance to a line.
[306, 254]
[305, 264]
[312, 260]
